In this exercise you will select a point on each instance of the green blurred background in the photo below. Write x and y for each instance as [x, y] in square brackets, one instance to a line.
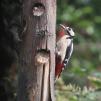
[81, 80]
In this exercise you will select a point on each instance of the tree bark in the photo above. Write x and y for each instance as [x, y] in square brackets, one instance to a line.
[37, 57]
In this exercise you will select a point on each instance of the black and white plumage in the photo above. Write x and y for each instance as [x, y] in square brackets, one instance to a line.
[64, 48]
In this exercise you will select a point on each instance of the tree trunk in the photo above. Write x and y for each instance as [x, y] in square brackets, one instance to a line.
[37, 58]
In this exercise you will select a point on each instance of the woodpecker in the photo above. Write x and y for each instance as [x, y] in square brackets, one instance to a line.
[64, 48]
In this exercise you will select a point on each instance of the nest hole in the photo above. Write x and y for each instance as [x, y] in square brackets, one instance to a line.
[38, 9]
[42, 56]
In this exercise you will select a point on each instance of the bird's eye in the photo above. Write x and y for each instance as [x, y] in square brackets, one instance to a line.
[69, 29]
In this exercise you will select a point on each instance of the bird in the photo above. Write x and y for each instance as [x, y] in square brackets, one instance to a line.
[64, 48]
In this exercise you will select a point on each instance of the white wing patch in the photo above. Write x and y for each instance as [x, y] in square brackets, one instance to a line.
[68, 54]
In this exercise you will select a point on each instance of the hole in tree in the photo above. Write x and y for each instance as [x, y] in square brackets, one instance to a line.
[38, 9]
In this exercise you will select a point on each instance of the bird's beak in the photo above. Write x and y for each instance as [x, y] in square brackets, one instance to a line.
[62, 26]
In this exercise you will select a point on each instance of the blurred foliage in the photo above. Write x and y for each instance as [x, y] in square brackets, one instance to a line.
[75, 93]
[84, 68]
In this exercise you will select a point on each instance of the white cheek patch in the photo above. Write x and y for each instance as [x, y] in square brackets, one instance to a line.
[72, 33]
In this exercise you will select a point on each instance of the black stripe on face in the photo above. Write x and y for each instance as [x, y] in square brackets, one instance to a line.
[68, 32]
[70, 37]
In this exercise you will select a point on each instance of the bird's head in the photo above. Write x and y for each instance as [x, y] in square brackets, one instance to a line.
[67, 31]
